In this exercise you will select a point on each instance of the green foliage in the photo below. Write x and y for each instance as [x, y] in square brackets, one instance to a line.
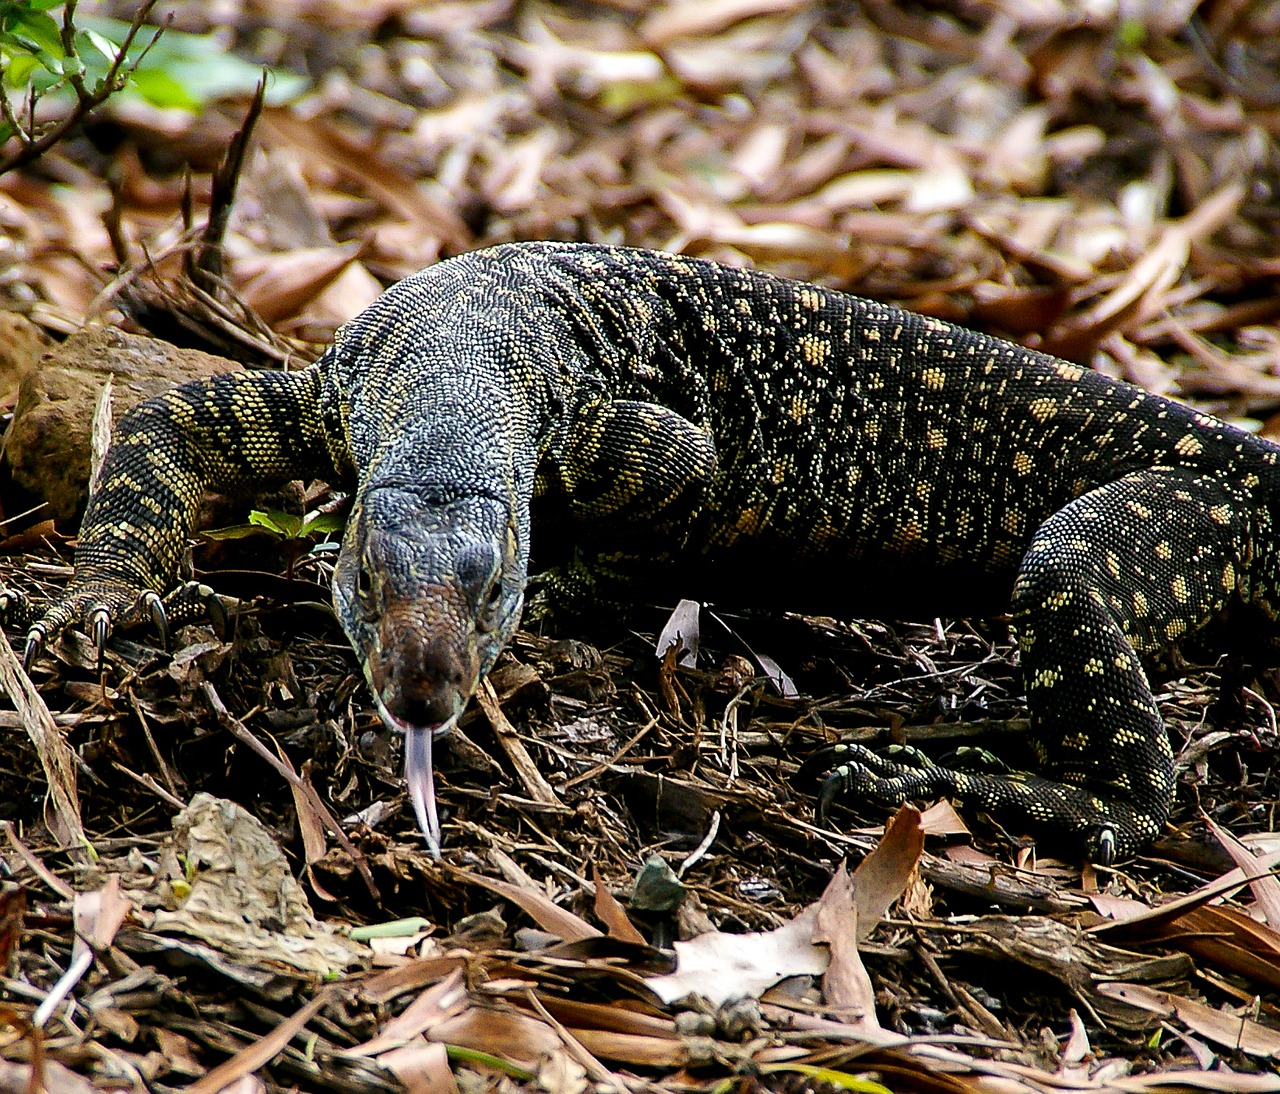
[48, 51]
[189, 71]
[281, 525]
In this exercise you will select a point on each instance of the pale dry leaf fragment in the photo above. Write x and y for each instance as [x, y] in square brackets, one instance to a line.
[1266, 889]
[883, 875]
[423, 1067]
[845, 985]
[684, 20]
[54, 1078]
[683, 631]
[1238, 1034]
[62, 804]
[100, 433]
[97, 916]
[719, 967]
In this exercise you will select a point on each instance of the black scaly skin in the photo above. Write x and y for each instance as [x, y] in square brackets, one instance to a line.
[720, 431]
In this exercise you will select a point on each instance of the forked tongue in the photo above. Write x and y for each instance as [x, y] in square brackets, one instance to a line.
[421, 780]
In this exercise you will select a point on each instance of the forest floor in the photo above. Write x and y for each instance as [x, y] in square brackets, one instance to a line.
[1099, 181]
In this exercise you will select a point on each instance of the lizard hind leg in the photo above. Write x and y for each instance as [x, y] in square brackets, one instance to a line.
[1116, 576]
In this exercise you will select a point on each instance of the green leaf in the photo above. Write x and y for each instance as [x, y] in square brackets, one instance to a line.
[42, 31]
[278, 521]
[393, 928]
[234, 531]
[104, 45]
[162, 88]
[841, 1079]
[321, 524]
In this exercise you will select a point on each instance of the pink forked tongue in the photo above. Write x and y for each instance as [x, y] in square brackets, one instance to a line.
[419, 775]
[421, 780]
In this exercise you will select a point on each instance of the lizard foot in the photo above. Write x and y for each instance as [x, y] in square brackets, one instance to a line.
[102, 606]
[1083, 823]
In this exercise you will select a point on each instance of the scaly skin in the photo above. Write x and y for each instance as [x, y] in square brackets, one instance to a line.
[714, 431]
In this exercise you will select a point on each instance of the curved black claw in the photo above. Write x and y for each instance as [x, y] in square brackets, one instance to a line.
[155, 609]
[1104, 846]
[100, 631]
[835, 785]
[34, 644]
[217, 612]
[819, 763]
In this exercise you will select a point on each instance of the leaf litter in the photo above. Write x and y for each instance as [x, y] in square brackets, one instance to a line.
[1100, 186]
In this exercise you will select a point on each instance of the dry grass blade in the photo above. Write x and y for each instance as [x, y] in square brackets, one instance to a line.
[263, 1050]
[63, 803]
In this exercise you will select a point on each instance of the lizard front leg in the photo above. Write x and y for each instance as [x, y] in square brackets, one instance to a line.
[232, 433]
[632, 475]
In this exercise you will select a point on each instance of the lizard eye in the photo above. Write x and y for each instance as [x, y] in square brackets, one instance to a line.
[364, 581]
[492, 602]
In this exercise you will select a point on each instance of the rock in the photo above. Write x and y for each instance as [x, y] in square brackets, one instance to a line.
[22, 344]
[47, 444]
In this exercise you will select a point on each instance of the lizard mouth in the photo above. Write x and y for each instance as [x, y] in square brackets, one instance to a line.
[419, 773]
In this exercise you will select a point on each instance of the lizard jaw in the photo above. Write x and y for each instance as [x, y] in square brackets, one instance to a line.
[419, 773]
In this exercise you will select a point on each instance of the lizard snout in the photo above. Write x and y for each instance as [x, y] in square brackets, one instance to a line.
[424, 676]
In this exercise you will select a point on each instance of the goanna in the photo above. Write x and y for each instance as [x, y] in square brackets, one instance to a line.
[713, 431]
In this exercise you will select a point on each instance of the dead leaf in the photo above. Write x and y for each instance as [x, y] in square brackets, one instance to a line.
[719, 967]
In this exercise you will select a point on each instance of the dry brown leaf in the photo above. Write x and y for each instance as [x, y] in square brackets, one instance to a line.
[882, 876]
[1238, 1034]
[845, 985]
[505, 1034]
[1266, 890]
[277, 286]
[540, 908]
[440, 1002]
[611, 913]
[631, 1048]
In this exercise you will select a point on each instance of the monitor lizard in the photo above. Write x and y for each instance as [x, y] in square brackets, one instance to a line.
[712, 429]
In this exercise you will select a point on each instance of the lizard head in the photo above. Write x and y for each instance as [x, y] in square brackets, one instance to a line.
[428, 589]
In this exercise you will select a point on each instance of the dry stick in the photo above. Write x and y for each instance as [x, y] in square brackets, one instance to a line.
[238, 730]
[56, 758]
[539, 789]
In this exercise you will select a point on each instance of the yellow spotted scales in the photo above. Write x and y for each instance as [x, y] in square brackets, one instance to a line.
[718, 432]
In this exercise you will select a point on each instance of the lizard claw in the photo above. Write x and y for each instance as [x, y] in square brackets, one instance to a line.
[34, 644]
[1104, 846]
[159, 620]
[100, 631]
